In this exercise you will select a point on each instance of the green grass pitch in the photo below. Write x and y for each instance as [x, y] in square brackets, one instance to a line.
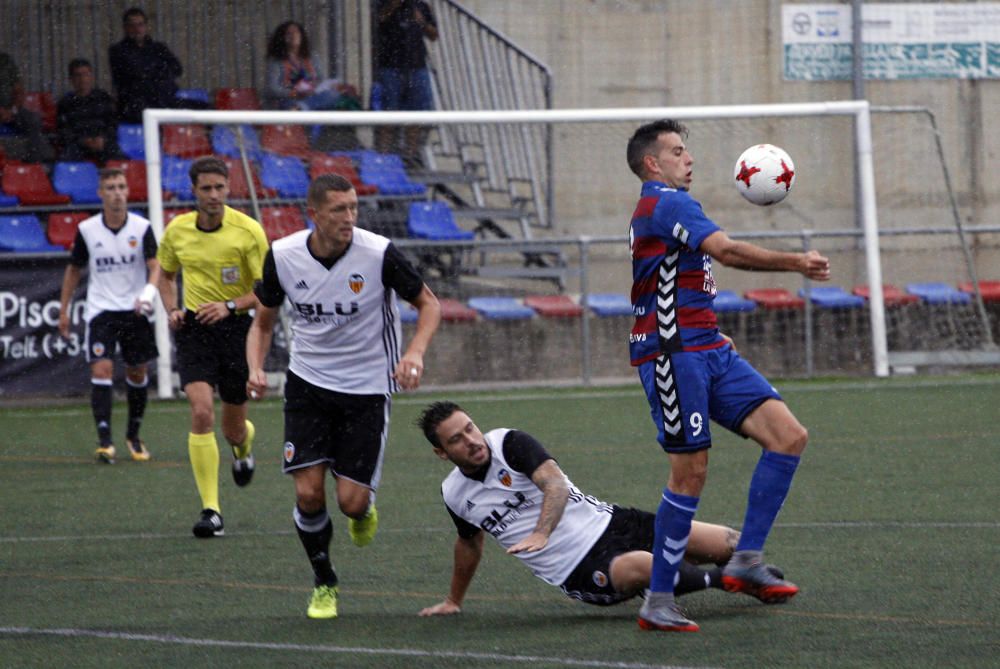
[891, 530]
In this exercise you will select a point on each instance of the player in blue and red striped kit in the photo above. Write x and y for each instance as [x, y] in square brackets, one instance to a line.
[691, 373]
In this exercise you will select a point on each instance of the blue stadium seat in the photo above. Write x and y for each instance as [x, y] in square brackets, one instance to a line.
[131, 141]
[832, 297]
[195, 94]
[407, 314]
[8, 200]
[386, 171]
[78, 180]
[501, 308]
[224, 141]
[726, 301]
[24, 234]
[285, 174]
[175, 179]
[609, 304]
[434, 220]
[938, 293]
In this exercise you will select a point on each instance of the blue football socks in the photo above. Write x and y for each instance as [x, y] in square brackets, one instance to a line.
[672, 528]
[768, 488]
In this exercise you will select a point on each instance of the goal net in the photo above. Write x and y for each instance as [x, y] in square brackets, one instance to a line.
[520, 203]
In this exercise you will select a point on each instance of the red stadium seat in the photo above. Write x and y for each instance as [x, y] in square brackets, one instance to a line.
[239, 189]
[554, 306]
[61, 228]
[454, 311]
[286, 140]
[774, 298]
[892, 296]
[30, 184]
[171, 214]
[280, 222]
[990, 290]
[135, 175]
[322, 163]
[186, 141]
[237, 98]
[43, 104]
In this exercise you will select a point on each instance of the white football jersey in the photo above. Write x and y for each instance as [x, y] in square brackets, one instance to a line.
[507, 505]
[116, 263]
[345, 322]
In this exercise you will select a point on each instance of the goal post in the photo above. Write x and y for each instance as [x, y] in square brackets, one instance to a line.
[501, 124]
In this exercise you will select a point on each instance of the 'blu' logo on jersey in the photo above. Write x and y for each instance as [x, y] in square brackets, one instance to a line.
[310, 310]
[108, 261]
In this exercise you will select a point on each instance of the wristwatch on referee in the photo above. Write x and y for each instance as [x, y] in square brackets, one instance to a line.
[231, 305]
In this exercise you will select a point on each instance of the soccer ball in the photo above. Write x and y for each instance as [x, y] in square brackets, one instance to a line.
[764, 174]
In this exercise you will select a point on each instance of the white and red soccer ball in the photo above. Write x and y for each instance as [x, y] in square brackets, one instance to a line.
[764, 174]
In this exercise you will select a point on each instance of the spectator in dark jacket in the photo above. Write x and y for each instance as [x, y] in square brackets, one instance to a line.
[143, 71]
[20, 129]
[87, 118]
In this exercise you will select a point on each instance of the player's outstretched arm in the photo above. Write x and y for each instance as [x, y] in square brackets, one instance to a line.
[258, 344]
[71, 279]
[555, 492]
[467, 555]
[410, 367]
[744, 255]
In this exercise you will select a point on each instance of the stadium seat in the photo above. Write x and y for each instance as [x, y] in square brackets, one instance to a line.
[990, 290]
[285, 174]
[726, 301]
[185, 141]
[280, 222]
[554, 306]
[286, 140]
[193, 94]
[226, 143]
[892, 296]
[322, 163]
[171, 214]
[78, 180]
[43, 104]
[174, 178]
[8, 200]
[61, 228]
[130, 140]
[24, 234]
[407, 314]
[135, 176]
[938, 293]
[454, 311]
[386, 172]
[832, 297]
[501, 308]
[237, 99]
[434, 220]
[609, 304]
[239, 187]
[30, 184]
[774, 298]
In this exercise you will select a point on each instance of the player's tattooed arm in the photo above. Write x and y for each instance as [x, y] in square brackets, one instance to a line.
[555, 490]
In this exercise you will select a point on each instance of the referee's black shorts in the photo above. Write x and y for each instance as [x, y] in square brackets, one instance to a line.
[215, 354]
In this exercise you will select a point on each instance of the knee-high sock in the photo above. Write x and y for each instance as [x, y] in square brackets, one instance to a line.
[692, 579]
[768, 488]
[242, 449]
[137, 394]
[672, 528]
[315, 531]
[100, 405]
[204, 453]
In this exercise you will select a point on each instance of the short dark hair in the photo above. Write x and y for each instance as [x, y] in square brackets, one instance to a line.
[433, 416]
[78, 62]
[134, 11]
[643, 139]
[207, 165]
[106, 173]
[326, 182]
[278, 49]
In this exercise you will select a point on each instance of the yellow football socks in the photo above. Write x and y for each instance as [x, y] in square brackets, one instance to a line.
[204, 453]
[243, 449]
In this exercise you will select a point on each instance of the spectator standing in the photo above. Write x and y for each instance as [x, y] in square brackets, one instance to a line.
[20, 129]
[143, 71]
[295, 76]
[87, 118]
[401, 70]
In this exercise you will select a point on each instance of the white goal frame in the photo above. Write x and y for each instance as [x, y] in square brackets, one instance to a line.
[858, 109]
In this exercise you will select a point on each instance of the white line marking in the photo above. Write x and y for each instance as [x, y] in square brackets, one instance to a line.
[322, 648]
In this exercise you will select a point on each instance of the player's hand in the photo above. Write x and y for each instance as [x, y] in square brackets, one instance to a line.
[729, 340]
[445, 608]
[531, 543]
[409, 371]
[256, 384]
[815, 266]
[64, 323]
[211, 312]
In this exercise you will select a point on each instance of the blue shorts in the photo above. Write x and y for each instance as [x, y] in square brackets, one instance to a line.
[686, 389]
[406, 90]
